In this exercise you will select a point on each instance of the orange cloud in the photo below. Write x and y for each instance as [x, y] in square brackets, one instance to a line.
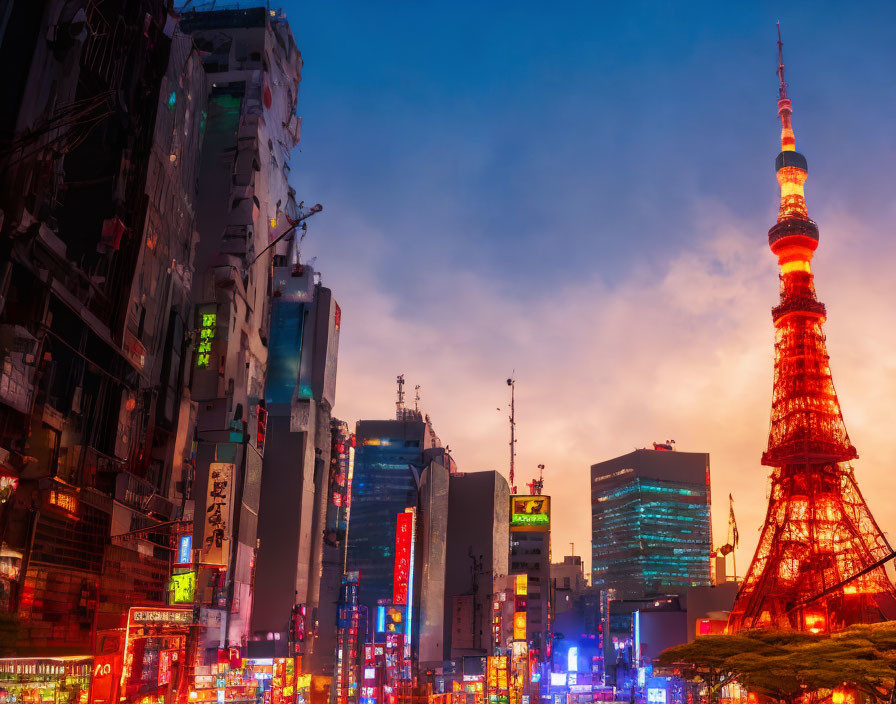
[679, 348]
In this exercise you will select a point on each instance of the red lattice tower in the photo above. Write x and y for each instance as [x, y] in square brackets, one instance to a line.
[818, 531]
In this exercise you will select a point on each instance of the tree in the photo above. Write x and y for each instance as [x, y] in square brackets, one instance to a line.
[784, 665]
[705, 660]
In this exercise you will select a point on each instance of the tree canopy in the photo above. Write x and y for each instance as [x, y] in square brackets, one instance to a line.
[784, 665]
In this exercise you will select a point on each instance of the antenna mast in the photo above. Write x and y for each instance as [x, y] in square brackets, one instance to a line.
[782, 89]
[417, 398]
[512, 384]
[399, 403]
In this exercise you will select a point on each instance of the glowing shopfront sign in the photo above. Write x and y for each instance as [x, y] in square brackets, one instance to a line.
[208, 322]
[530, 513]
[217, 513]
[176, 617]
[183, 588]
[656, 695]
[404, 528]
[185, 550]
[519, 626]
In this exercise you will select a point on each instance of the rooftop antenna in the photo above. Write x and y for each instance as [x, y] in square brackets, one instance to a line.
[536, 486]
[399, 403]
[417, 398]
[511, 382]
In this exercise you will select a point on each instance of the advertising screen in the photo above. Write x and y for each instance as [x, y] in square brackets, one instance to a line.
[532, 513]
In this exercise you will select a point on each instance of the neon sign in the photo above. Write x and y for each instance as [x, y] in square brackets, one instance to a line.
[403, 539]
[208, 322]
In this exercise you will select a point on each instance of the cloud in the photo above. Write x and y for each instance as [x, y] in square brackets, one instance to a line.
[676, 347]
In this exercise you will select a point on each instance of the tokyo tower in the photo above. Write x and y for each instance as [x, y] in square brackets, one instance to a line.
[817, 565]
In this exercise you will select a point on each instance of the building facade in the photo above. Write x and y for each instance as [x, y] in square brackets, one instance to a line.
[567, 582]
[297, 484]
[477, 560]
[254, 69]
[651, 529]
[389, 460]
[530, 554]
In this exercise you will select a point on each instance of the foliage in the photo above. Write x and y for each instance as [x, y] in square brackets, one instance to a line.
[784, 665]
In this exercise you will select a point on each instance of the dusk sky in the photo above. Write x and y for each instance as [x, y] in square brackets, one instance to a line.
[580, 192]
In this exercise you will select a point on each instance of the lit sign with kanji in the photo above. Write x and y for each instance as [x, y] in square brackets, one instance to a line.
[217, 512]
[183, 588]
[185, 550]
[530, 513]
[63, 501]
[497, 680]
[404, 526]
[519, 626]
[166, 659]
[208, 322]
[178, 617]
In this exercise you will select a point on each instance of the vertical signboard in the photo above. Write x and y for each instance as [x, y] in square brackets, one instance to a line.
[404, 526]
[185, 550]
[497, 681]
[207, 315]
[106, 674]
[217, 513]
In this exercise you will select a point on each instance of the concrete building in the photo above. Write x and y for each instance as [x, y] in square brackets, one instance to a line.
[477, 560]
[530, 554]
[99, 117]
[651, 530]
[567, 582]
[296, 486]
[254, 70]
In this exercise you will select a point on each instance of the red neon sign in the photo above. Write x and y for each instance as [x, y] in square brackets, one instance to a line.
[404, 525]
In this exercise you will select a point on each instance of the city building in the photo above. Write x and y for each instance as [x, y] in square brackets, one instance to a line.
[530, 554]
[650, 522]
[253, 69]
[101, 123]
[567, 582]
[389, 460]
[296, 488]
[476, 562]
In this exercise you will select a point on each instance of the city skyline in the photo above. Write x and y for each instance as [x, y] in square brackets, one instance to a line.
[369, 457]
[649, 283]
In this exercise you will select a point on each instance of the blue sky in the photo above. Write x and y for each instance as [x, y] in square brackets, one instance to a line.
[581, 192]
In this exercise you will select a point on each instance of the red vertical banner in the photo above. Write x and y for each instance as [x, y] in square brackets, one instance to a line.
[404, 526]
[104, 683]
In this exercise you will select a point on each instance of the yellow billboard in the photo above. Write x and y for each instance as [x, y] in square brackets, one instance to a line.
[530, 513]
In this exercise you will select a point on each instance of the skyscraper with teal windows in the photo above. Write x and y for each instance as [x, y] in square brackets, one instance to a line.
[390, 474]
[650, 522]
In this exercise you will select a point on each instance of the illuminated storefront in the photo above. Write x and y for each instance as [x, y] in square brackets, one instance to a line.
[155, 653]
[45, 680]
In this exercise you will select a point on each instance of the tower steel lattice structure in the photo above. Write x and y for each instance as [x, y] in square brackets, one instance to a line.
[818, 531]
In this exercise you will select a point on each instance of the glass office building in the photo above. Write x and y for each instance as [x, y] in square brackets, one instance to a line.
[389, 459]
[650, 521]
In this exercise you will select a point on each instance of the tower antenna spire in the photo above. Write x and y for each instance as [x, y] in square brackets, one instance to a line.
[782, 89]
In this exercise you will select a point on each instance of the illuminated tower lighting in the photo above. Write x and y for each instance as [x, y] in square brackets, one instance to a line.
[819, 538]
